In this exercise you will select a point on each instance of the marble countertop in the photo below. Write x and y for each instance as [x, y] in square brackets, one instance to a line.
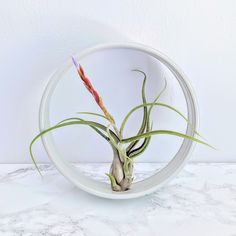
[201, 200]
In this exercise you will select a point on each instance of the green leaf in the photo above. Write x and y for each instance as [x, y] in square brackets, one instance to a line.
[169, 132]
[96, 129]
[151, 106]
[118, 146]
[81, 122]
[112, 180]
[161, 92]
[92, 113]
[158, 104]
[100, 115]
[126, 167]
[143, 104]
[144, 122]
[137, 151]
[113, 142]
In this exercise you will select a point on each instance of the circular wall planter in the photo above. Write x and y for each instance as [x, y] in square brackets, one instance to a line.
[148, 185]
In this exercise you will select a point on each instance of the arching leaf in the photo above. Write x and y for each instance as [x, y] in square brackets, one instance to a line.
[80, 122]
[169, 132]
[144, 122]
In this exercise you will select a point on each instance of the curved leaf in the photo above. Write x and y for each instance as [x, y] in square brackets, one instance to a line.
[112, 180]
[158, 104]
[92, 113]
[137, 151]
[96, 129]
[144, 122]
[89, 123]
[169, 132]
[97, 114]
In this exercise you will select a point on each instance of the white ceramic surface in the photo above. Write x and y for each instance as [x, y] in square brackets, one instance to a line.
[140, 188]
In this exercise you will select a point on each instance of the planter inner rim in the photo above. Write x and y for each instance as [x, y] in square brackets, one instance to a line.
[139, 188]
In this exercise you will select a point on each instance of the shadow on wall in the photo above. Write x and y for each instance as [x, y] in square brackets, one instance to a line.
[69, 37]
[43, 46]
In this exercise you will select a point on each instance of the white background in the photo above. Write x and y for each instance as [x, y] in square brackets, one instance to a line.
[37, 36]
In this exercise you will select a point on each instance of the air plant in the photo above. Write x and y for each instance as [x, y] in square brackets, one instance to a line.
[125, 149]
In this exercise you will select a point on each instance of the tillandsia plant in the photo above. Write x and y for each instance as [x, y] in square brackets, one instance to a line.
[125, 149]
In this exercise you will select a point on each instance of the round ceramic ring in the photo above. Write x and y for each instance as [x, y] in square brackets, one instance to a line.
[148, 185]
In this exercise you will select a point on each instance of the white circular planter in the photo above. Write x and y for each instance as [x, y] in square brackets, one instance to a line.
[148, 185]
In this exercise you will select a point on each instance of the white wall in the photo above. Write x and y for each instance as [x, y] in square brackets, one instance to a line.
[37, 36]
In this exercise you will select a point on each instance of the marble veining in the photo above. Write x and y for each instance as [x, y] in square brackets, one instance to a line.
[201, 200]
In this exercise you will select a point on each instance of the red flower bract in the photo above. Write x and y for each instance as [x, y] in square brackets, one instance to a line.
[91, 89]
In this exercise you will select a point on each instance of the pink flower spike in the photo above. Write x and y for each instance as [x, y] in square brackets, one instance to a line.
[91, 89]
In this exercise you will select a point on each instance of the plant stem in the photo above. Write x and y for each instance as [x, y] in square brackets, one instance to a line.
[121, 171]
